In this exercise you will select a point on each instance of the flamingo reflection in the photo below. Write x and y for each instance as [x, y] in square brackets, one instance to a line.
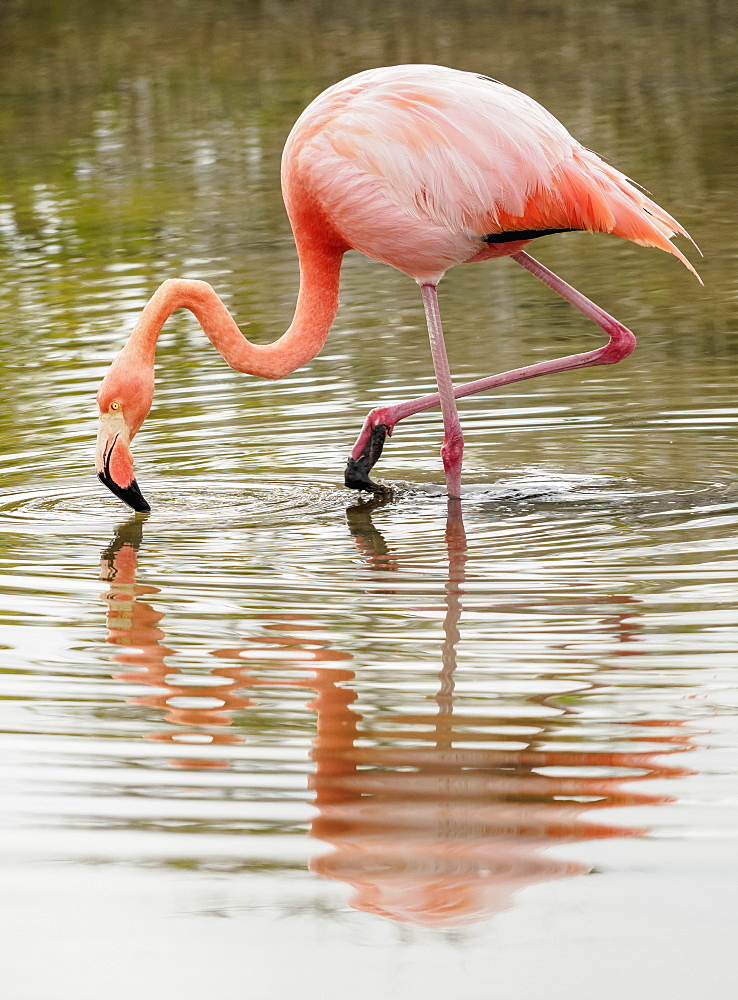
[431, 831]
[434, 817]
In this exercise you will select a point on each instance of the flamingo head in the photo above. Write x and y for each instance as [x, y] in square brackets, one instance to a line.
[124, 400]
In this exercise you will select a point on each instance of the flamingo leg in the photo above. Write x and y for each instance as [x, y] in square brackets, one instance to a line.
[381, 421]
[452, 450]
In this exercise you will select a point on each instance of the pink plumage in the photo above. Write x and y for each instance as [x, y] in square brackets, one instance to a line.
[422, 168]
[414, 164]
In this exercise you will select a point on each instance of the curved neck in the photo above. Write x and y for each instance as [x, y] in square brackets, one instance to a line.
[317, 304]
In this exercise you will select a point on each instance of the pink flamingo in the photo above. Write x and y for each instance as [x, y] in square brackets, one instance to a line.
[419, 167]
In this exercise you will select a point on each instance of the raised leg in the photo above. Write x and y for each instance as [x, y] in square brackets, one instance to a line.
[381, 421]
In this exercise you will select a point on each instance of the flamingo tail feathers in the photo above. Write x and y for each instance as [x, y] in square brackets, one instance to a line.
[605, 200]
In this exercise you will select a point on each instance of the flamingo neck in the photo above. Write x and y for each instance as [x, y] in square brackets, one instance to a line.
[317, 304]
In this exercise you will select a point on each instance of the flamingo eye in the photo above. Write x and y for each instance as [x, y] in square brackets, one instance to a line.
[115, 406]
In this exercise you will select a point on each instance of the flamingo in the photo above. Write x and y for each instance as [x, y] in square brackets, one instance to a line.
[420, 167]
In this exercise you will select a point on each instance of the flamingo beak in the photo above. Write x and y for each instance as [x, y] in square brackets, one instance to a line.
[114, 461]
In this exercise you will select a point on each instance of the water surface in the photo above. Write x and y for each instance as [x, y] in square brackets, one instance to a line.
[281, 740]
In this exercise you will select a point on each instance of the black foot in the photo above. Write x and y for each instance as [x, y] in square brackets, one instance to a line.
[356, 476]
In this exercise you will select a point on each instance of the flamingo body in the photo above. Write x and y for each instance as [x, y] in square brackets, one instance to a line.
[422, 168]
[415, 165]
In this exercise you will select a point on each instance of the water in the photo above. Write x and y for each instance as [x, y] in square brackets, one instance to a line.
[280, 740]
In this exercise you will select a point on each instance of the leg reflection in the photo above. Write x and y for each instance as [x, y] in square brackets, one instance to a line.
[430, 831]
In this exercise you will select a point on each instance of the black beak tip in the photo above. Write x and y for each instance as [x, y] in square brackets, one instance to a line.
[130, 494]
